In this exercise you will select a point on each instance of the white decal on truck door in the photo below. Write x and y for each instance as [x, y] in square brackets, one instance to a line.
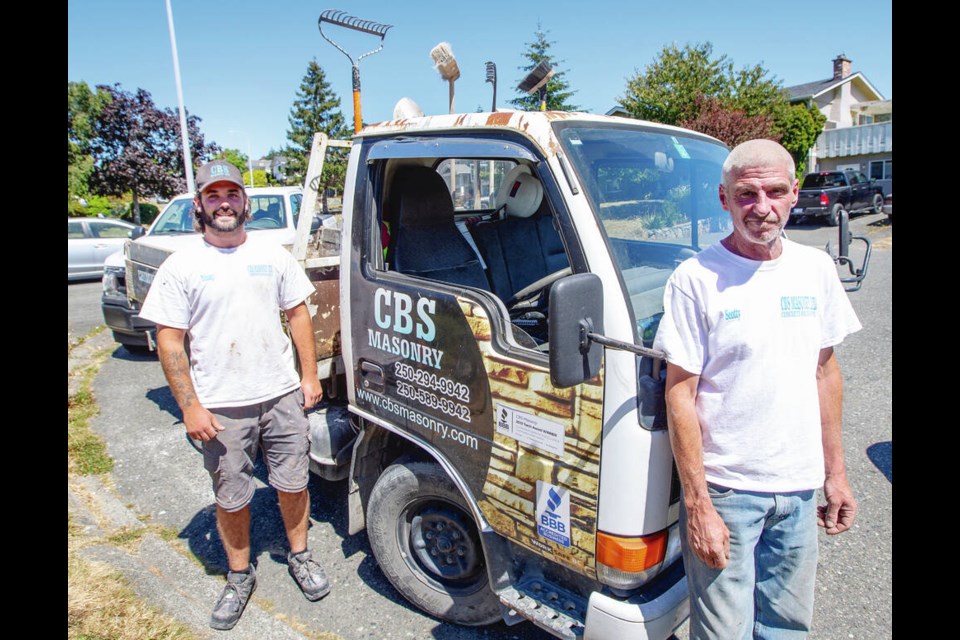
[530, 429]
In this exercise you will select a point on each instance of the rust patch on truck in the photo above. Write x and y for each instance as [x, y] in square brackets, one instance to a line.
[499, 119]
[326, 316]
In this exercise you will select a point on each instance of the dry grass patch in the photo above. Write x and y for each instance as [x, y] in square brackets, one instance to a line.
[100, 605]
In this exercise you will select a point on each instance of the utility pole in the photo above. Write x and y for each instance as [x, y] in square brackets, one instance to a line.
[184, 134]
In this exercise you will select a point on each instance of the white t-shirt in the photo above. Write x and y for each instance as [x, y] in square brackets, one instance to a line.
[230, 301]
[753, 330]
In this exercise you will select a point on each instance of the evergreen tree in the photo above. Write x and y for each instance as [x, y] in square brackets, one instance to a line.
[316, 108]
[558, 89]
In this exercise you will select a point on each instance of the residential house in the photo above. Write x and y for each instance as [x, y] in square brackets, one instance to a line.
[858, 133]
[275, 167]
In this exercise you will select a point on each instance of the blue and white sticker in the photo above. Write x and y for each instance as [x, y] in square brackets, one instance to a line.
[553, 513]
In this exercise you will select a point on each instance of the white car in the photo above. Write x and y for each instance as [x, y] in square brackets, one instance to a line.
[90, 241]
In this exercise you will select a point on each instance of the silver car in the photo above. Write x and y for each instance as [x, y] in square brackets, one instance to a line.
[90, 241]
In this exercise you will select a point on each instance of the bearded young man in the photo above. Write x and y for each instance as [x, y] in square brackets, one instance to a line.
[239, 390]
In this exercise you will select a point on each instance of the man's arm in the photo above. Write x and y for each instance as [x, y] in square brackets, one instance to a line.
[706, 531]
[301, 330]
[200, 423]
[838, 514]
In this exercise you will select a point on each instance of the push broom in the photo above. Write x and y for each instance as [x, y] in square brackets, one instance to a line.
[341, 19]
[447, 65]
[537, 80]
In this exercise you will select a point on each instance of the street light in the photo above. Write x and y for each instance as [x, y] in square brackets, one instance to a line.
[184, 134]
[249, 154]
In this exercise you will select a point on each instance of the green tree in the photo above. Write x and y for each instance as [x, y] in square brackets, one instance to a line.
[558, 89]
[799, 127]
[691, 87]
[237, 159]
[315, 109]
[83, 107]
[137, 148]
[666, 90]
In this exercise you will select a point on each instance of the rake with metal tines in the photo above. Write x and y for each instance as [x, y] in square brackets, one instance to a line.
[492, 78]
[341, 19]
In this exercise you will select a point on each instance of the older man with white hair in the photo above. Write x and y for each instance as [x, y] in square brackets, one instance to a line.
[754, 404]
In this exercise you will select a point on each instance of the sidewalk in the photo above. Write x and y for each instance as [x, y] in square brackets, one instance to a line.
[162, 573]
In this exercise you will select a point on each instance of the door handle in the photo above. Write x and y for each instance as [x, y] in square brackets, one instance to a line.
[371, 376]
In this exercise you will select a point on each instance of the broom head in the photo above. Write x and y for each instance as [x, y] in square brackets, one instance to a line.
[444, 61]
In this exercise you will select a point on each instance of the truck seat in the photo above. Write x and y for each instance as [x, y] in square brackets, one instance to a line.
[428, 243]
[524, 246]
[268, 218]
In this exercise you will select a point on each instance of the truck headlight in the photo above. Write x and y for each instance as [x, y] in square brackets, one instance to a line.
[112, 277]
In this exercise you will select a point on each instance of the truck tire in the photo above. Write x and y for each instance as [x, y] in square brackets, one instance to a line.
[877, 203]
[428, 545]
[833, 218]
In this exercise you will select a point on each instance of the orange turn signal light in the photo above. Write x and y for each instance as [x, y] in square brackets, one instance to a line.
[631, 554]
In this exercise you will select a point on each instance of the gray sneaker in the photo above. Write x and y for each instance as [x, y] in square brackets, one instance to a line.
[308, 574]
[233, 599]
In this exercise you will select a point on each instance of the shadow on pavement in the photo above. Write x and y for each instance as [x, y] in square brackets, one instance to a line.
[881, 455]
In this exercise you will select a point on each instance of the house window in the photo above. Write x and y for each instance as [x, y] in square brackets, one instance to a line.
[864, 119]
[881, 169]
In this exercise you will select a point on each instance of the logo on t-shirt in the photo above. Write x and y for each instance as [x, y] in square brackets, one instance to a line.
[260, 269]
[731, 314]
[797, 306]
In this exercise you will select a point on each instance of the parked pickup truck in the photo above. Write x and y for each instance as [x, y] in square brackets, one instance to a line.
[274, 211]
[826, 193]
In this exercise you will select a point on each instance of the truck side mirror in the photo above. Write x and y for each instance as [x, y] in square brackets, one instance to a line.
[136, 232]
[576, 309]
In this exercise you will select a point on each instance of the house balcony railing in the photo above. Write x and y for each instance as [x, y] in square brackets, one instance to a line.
[856, 141]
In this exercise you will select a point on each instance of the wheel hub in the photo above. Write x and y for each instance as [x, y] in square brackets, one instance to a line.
[441, 541]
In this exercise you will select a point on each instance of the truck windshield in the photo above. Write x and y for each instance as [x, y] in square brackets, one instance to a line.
[655, 195]
[176, 218]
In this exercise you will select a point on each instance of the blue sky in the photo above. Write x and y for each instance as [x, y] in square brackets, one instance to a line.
[240, 70]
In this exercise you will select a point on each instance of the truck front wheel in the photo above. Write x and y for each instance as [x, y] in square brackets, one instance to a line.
[833, 218]
[428, 545]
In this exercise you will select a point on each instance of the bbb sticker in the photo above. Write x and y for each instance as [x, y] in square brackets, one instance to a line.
[553, 513]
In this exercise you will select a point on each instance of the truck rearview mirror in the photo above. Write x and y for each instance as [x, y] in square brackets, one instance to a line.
[576, 309]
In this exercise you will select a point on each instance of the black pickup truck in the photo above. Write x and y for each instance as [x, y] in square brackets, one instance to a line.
[826, 193]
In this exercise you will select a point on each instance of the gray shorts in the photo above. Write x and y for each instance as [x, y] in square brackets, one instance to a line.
[279, 428]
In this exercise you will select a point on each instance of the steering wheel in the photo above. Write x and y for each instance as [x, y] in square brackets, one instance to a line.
[534, 289]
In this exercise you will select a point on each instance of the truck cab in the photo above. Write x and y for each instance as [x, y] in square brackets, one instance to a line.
[504, 466]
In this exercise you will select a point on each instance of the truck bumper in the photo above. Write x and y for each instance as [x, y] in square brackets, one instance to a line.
[127, 327]
[644, 616]
[809, 211]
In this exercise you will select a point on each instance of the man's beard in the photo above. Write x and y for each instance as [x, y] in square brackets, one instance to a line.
[225, 224]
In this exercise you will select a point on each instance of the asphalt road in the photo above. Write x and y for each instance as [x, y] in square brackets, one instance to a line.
[159, 475]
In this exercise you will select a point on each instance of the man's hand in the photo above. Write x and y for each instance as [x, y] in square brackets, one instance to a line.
[200, 423]
[708, 536]
[841, 509]
[312, 391]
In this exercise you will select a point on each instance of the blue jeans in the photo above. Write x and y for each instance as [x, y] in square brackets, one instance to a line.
[766, 590]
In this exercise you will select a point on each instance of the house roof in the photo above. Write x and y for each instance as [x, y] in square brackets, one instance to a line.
[812, 90]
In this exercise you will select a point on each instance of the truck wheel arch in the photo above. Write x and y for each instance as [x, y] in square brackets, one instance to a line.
[428, 544]
[833, 218]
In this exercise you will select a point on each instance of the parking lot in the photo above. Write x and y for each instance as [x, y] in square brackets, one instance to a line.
[161, 479]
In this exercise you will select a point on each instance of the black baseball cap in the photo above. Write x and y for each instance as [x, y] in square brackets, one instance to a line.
[218, 171]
